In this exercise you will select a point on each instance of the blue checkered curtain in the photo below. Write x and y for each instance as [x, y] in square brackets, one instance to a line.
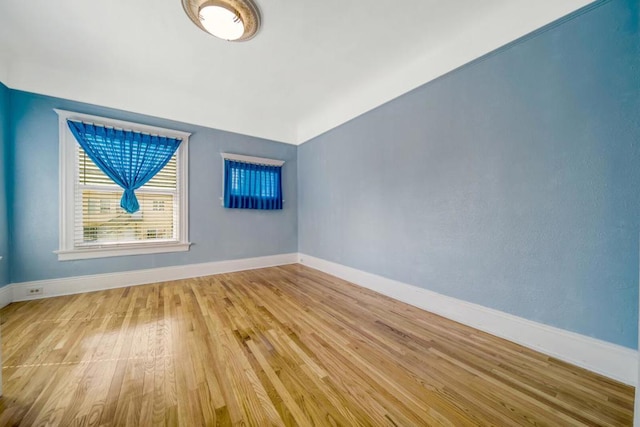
[129, 158]
[252, 186]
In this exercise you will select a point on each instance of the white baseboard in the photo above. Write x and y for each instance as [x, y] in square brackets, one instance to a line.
[6, 295]
[611, 360]
[98, 282]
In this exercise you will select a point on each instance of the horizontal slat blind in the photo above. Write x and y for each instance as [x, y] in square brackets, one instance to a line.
[101, 221]
[90, 174]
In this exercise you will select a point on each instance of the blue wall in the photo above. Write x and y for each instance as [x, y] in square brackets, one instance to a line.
[4, 174]
[512, 182]
[216, 233]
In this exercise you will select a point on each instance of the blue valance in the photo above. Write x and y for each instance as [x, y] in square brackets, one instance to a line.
[129, 158]
[252, 186]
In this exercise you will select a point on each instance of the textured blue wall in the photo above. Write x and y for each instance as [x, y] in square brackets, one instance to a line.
[512, 182]
[4, 174]
[216, 233]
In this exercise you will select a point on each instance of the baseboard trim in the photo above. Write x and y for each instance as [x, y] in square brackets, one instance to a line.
[611, 360]
[6, 296]
[99, 282]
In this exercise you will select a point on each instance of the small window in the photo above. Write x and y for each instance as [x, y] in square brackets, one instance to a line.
[92, 223]
[252, 182]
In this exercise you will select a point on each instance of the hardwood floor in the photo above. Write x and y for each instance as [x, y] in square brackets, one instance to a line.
[279, 346]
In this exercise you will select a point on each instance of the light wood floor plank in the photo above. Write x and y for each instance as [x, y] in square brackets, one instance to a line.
[280, 346]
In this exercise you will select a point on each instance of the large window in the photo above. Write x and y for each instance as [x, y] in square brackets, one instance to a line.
[92, 223]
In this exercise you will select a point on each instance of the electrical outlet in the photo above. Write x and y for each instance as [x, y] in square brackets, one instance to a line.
[34, 291]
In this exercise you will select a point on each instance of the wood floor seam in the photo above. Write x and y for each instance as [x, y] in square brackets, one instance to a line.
[84, 362]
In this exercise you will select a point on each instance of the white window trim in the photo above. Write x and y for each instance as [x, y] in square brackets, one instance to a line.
[67, 161]
[251, 159]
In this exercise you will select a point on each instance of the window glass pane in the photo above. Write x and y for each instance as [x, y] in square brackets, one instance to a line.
[104, 221]
[101, 220]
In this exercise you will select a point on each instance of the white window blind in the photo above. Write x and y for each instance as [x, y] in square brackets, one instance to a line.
[99, 219]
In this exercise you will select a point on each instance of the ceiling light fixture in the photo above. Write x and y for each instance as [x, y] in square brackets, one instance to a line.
[233, 20]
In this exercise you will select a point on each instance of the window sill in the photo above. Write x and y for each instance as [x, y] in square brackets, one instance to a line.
[105, 252]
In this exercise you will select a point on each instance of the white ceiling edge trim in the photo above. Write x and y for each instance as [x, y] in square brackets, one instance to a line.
[374, 93]
[141, 98]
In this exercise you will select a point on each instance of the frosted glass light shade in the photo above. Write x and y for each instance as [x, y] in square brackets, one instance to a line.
[222, 22]
[232, 20]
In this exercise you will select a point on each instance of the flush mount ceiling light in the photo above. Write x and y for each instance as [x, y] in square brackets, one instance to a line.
[233, 20]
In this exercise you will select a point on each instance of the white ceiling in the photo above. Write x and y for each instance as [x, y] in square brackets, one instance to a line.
[312, 66]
